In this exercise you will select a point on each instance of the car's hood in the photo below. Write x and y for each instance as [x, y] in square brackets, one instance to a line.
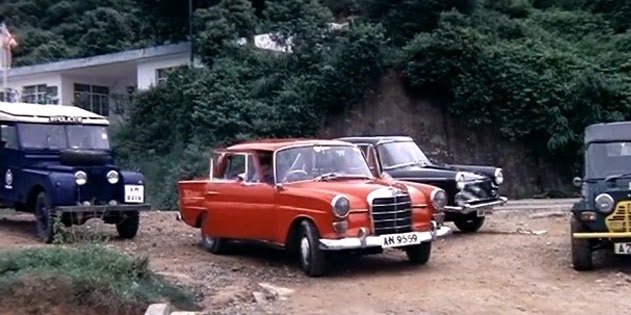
[431, 172]
[356, 190]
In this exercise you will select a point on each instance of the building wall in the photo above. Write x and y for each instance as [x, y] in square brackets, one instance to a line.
[147, 69]
[50, 79]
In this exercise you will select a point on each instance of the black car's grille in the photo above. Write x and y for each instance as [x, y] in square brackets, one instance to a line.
[392, 215]
[481, 190]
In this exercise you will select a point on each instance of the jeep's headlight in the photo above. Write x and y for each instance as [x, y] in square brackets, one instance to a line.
[460, 180]
[499, 176]
[439, 199]
[80, 177]
[112, 177]
[341, 206]
[604, 203]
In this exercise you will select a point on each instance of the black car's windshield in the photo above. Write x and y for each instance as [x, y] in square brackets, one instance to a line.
[56, 137]
[607, 159]
[396, 154]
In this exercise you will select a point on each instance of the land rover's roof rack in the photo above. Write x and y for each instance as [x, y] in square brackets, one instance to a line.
[49, 114]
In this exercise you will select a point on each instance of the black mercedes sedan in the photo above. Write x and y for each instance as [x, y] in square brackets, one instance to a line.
[472, 190]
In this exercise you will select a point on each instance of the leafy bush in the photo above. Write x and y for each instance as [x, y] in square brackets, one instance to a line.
[88, 275]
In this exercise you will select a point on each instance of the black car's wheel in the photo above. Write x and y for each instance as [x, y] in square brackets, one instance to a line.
[128, 226]
[44, 218]
[419, 254]
[581, 248]
[313, 260]
[468, 222]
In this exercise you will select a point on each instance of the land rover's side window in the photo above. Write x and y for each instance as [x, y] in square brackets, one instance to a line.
[236, 164]
[9, 137]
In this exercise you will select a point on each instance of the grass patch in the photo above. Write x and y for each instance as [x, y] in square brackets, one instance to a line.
[86, 275]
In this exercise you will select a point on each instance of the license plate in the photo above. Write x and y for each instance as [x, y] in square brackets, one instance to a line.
[134, 193]
[402, 239]
[484, 212]
[622, 248]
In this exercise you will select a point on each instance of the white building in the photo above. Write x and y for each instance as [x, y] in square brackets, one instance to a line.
[102, 84]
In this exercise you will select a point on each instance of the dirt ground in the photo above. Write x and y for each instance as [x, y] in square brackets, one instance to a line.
[517, 264]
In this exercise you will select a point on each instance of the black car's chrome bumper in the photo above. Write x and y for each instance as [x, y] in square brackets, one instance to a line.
[467, 208]
[104, 208]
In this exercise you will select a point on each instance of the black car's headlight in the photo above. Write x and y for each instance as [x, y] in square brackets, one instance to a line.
[499, 176]
[341, 206]
[604, 203]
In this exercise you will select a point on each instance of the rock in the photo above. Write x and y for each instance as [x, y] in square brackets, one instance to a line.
[259, 297]
[158, 309]
[279, 292]
[549, 214]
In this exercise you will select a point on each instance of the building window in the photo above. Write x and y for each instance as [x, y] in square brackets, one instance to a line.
[162, 74]
[93, 98]
[40, 94]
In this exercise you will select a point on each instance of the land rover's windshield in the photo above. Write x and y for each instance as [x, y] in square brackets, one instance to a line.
[56, 137]
[607, 159]
[320, 163]
[401, 153]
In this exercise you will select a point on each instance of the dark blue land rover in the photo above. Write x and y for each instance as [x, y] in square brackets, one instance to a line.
[56, 162]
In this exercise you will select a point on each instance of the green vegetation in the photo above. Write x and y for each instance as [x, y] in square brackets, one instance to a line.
[88, 275]
[538, 70]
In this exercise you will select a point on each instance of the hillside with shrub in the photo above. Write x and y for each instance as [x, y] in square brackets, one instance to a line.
[538, 71]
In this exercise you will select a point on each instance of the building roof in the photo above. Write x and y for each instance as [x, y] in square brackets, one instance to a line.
[124, 56]
[606, 132]
[277, 144]
[36, 113]
[375, 139]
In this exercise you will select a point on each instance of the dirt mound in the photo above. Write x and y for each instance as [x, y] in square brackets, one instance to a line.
[59, 295]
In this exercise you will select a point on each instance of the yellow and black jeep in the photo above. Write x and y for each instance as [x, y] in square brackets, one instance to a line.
[601, 219]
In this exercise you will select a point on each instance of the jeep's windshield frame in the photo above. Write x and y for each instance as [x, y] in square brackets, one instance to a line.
[54, 137]
[603, 159]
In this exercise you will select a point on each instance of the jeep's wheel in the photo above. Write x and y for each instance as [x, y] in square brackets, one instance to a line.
[44, 218]
[419, 254]
[581, 248]
[128, 227]
[312, 258]
[468, 223]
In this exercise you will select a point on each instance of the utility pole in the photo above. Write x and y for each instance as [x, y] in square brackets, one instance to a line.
[190, 30]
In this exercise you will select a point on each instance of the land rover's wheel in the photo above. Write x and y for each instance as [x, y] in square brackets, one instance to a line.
[581, 248]
[312, 258]
[468, 223]
[419, 254]
[128, 226]
[44, 218]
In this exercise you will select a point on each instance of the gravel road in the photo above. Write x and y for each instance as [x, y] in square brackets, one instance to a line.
[519, 263]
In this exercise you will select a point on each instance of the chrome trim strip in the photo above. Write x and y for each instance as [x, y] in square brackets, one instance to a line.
[468, 207]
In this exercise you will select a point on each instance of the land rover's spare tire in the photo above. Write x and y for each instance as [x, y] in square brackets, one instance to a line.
[83, 157]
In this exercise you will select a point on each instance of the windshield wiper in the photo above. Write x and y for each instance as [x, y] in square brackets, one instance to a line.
[618, 176]
[338, 175]
[326, 176]
[400, 165]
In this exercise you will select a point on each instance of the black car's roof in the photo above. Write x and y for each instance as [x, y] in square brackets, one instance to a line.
[604, 132]
[374, 139]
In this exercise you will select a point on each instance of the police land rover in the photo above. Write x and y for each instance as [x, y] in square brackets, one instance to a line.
[56, 162]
